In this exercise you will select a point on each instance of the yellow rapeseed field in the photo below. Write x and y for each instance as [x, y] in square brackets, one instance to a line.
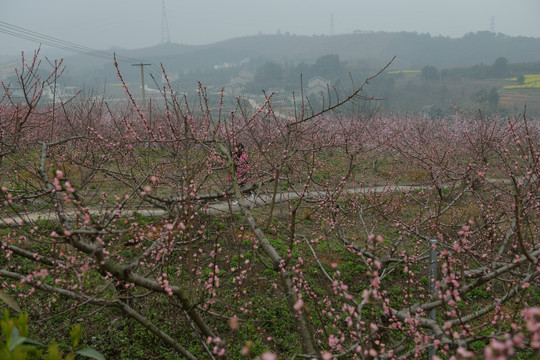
[531, 81]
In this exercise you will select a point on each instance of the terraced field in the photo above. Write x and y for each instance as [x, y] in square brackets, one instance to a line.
[517, 98]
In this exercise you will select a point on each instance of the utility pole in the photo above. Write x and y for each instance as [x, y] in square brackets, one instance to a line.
[432, 285]
[142, 80]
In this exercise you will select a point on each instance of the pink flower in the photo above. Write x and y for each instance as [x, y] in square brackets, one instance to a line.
[268, 356]
[233, 322]
[333, 341]
[532, 318]
[464, 353]
[326, 355]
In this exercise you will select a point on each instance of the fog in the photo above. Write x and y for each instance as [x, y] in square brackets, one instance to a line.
[106, 24]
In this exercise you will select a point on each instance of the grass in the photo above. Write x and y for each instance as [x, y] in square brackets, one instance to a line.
[265, 321]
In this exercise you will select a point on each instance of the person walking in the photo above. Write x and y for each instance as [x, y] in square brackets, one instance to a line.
[241, 164]
[241, 167]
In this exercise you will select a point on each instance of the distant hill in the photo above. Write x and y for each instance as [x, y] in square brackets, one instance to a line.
[236, 61]
[412, 50]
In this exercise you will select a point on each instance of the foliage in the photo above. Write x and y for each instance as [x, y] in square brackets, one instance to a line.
[272, 75]
[16, 345]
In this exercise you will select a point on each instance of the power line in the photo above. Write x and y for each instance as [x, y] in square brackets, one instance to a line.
[22, 33]
[48, 40]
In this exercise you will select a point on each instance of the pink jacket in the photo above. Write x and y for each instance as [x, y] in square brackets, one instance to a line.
[242, 166]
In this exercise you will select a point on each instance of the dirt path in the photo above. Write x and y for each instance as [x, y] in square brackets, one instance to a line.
[214, 208]
[221, 207]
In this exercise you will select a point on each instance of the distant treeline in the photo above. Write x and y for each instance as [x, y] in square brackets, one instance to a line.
[330, 67]
[499, 69]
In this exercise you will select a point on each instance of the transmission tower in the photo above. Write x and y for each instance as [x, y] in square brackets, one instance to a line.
[165, 36]
[492, 24]
[332, 32]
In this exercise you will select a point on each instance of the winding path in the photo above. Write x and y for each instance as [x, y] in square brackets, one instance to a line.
[213, 207]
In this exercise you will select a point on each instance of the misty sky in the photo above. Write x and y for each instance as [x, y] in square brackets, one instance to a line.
[103, 24]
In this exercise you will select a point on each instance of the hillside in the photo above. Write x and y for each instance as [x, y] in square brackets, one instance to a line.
[412, 50]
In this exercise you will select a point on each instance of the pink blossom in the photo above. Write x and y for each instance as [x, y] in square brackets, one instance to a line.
[326, 355]
[268, 356]
[233, 322]
[465, 354]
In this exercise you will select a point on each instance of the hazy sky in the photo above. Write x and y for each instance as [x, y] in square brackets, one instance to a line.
[102, 24]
